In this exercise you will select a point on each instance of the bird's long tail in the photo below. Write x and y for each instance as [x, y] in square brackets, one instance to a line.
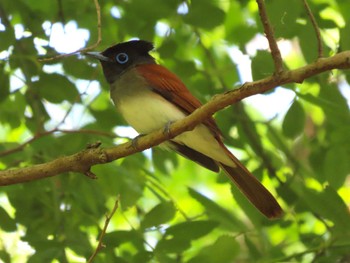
[257, 194]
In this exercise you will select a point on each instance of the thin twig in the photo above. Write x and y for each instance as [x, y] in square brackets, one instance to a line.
[100, 245]
[316, 28]
[99, 28]
[276, 54]
[99, 38]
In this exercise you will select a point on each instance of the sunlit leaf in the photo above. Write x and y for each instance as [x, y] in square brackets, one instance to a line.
[215, 16]
[294, 121]
[217, 212]
[178, 237]
[225, 249]
[159, 214]
[262, 65]
[56, 88]
[6, 222]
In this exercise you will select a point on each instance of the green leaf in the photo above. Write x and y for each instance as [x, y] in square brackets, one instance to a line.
[164, 161]
[294, 121]
[130, 180]
[158, 215]
[225, 249]
[5, 83]
[107, 118]
[24, 57]
[336, 165]
[10, 114]
[191, 230]
[323, 103]
[217, 213]
[7, 38]
[178, 237]
[39, 7]
[308, 43]
[252, 213]
[213, 18]
[78, 68]
[345, 36]
[253, 250]
[141, 9]
[56, 88]
[5, 256]
[236, 25]
[166, 50]
[284, 17]
[262, 65]
[328, 204]
[78, 242]
[339, 113]
[47, 255]
[143, 256]
[6, 222]
[116, 238]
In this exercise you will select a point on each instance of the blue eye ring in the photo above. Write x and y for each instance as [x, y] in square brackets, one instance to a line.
[122, 58]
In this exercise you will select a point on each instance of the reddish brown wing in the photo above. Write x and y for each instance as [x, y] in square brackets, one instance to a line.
[172, 88]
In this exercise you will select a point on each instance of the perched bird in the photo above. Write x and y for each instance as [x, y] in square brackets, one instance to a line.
[150, 97]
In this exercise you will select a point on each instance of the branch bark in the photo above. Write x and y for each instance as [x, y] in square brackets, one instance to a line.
[100, 245]
[84, 160]
[270, 35]
[316, 28]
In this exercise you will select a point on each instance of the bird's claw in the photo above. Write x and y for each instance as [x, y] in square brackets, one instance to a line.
[167, 128]
[135, 140]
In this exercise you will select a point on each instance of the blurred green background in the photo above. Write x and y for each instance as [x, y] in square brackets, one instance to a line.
[295, 139]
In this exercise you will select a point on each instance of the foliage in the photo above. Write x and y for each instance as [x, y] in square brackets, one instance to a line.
[171, 210]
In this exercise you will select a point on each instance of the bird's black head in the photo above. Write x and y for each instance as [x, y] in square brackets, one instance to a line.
[118, 58]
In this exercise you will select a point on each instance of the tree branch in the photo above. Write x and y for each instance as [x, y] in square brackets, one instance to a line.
[100, 245]
[84, 160]
[316, 28]
[276, 54]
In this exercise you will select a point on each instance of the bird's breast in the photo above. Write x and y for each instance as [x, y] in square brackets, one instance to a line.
[142, 108]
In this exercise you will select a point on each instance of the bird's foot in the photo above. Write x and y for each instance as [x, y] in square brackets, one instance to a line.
[167, 128]
[135, 140]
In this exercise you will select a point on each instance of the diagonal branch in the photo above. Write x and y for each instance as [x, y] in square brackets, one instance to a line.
[100, 245]
[84, 160]
[276, 54]
[316, 28]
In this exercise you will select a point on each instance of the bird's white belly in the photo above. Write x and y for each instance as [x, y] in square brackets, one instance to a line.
[149, 112]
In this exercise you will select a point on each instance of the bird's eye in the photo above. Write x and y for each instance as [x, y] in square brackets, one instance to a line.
[122, 58]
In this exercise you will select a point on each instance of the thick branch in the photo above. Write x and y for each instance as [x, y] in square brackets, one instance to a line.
[82, 161]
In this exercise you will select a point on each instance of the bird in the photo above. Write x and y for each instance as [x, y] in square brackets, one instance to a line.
[149, 97]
